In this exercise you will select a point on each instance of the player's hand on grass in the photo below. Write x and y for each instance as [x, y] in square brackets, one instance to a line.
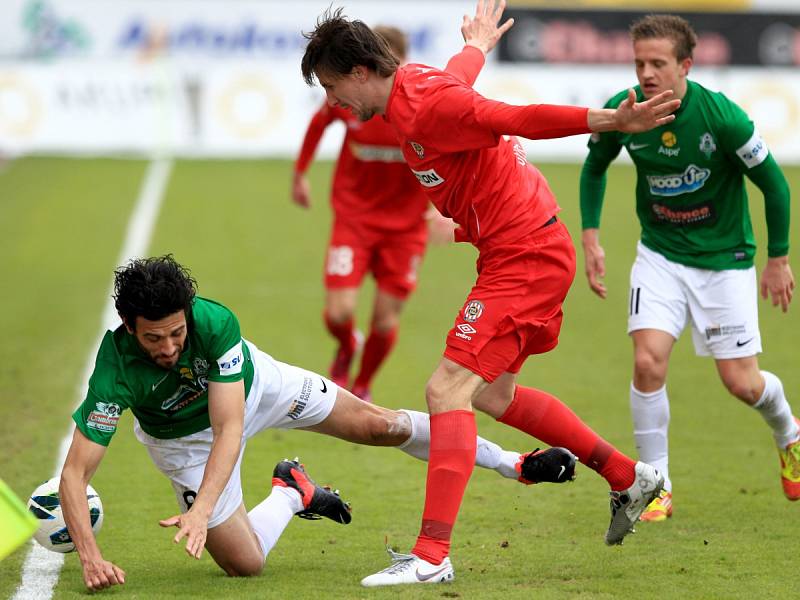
[595, 261]
[99, 574]
[301, 191]
[191, 525]
[635, 117]
[777, 281]
[481, 30]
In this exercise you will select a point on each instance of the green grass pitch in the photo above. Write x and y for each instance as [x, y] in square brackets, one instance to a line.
[733, 534]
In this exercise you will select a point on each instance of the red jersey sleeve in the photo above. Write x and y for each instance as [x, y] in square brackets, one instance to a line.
[534, 121]
[466, 65]
[319, 122]
[465, 120]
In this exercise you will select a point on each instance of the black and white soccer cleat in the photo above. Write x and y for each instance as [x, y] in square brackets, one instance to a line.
[318, 501]
[554, 465]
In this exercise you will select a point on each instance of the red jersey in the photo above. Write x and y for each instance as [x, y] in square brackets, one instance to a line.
[460, 147]
[371, 183]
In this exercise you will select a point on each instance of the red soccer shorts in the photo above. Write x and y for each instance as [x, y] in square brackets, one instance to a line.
[392, 257]
[514, 308]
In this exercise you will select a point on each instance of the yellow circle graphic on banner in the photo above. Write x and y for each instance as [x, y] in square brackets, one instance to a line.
[250, 106]
[20, 106]
[774, 107]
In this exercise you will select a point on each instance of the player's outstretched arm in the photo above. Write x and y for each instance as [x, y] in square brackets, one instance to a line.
[226, 412]
[777, 281]
[82, 461]
[482, 30]
[635, 117]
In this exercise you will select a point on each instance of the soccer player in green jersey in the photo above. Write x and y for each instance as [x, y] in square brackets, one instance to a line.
[198, 391]
[694, 262]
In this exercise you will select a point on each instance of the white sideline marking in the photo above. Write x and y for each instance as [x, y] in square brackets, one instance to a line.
[42, 567]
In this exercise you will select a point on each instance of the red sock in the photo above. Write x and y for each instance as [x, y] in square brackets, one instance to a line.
[343, 332]
[545, 417]
[377, 348]
[452, 458]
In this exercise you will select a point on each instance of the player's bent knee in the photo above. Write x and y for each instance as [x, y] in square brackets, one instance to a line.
[440, 398]
[386, 325]
[244, 568]
[650, 368]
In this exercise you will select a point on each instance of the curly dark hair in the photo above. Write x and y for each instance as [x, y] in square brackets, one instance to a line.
[338, 45]
[152, 288]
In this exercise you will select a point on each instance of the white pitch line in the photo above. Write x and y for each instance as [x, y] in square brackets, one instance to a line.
[42, 567]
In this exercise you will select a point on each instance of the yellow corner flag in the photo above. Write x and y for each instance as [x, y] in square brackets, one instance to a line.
[16, 523]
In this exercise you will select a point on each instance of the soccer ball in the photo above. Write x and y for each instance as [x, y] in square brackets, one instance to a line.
[46, 506]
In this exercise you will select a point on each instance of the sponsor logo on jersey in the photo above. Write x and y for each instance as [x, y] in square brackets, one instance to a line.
[634, 147]
[104, 417]
[668, 142]
[464, 331]
[418, 149]
[692, 179]
[707, 145]
[193, 384]
[721, 330]
[299, 404]
[473, 311]
[429, 178]
[754, 151]
[370, 153]
[183, 396]
[683, 215]
[669, 151]
[231, 362]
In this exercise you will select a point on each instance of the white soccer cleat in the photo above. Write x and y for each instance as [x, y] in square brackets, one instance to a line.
[408, 568]
[628, 505]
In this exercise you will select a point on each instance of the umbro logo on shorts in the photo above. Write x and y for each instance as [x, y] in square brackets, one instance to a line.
[465, 331]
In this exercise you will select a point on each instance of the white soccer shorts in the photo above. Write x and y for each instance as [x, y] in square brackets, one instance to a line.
[282, 396]
[722, 306]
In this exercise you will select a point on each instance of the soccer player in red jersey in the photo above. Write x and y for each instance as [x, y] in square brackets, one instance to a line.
[379, 226]
[462, 150]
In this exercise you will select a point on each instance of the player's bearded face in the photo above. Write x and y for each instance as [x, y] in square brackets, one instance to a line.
[657, 67]
[162, 340]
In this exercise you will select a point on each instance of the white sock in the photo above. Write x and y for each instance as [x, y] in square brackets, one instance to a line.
[271, 517]
[775, 410]
[488, 456]
[650, 412]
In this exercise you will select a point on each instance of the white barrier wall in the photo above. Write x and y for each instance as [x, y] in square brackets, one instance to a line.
[247, 110]
[214, 78]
